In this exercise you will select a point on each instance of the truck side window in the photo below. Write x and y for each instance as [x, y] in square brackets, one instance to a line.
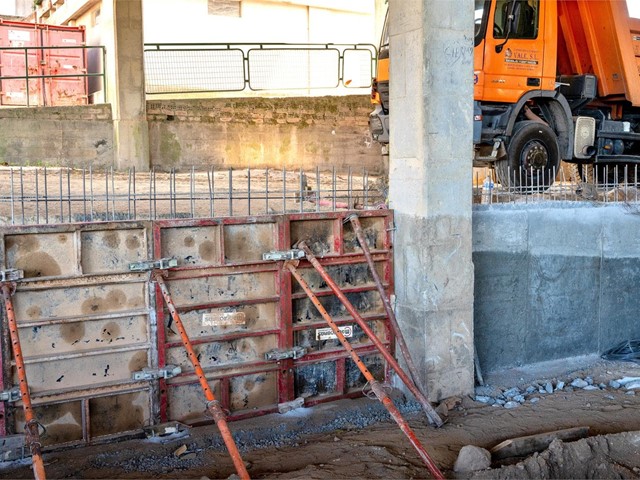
[524, 23]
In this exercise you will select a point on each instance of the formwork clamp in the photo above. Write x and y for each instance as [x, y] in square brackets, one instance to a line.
[11, 275]
[294, 353]
[12, 395]
[168, 371]
[278, 256]
[148, 265]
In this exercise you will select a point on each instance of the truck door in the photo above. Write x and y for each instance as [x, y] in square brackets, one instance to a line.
[513, 50]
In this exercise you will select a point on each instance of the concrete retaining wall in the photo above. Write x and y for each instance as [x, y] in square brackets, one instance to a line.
[262, 132]
[75, 136]
[224, 133]
[554, 281]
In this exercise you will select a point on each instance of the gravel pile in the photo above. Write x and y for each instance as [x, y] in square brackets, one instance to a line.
[515, 396]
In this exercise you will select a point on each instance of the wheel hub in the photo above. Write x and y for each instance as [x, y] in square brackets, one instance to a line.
[535, 156]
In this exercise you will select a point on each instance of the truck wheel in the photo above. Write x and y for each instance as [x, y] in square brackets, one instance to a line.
[533, 158]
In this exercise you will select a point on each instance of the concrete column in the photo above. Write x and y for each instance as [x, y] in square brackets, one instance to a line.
[431, 98]
[125, 81]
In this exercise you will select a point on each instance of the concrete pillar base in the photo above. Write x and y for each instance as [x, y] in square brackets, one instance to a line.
[131, 138]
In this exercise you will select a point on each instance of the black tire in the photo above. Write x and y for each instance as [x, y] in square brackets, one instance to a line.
[533, 158]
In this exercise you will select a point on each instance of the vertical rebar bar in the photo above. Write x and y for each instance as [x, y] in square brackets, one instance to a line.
[91, 192]
[266, 191]
[333, 188]
[60, 195]
[209, 175]
[248, 191]
[84, 194]
[46, 197]
[37, 198]
[230, 192]
[22, 195]
[129, 194]
[284, 190]
[13, 221]
[69, 193]
[192, 186]
[317, 188]
[301, 174]
[349, 189]
[135, 197]
[106, 192]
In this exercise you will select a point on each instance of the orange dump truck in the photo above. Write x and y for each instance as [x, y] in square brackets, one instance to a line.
[554, 80]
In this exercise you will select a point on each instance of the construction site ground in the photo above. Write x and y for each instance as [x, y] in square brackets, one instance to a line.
[356, 439]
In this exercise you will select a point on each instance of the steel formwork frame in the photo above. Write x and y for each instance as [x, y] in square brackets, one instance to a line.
[279, 296]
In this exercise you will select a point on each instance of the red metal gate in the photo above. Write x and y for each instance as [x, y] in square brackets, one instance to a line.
[87, 323]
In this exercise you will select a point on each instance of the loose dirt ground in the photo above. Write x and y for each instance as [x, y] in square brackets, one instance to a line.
[380, 450]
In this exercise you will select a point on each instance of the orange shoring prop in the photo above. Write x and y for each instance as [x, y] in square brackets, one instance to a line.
[376, 388]
[404, 349]
[31, 424]
[213, 405]
[424, 401]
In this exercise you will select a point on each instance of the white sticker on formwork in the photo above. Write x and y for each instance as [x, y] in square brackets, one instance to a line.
[19, 35]
[327, 333]
[223, 319]
[69, 40]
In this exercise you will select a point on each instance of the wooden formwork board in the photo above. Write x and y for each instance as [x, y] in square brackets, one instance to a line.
[87, 323]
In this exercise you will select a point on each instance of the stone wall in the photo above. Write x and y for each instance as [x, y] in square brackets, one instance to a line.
[263, 132]
[224, 133]
[554, 281]
[75, 136]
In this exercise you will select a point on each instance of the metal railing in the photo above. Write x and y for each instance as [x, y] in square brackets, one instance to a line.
[28, 80]
[233, 67]
[63, 195]
[572, 183]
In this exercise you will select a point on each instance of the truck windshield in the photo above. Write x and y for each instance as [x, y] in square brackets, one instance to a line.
[480, 19]
[383, 51]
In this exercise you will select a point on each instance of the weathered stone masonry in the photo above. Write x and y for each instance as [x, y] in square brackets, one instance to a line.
[225, 133]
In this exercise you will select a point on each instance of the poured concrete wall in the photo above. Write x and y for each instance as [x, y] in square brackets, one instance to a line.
[554, 281]
[223, 133]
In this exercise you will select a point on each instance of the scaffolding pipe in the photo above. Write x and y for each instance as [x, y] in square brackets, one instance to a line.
[376, 388]
[422, 399]
[213, 405]
[404, 349]
[31, 424]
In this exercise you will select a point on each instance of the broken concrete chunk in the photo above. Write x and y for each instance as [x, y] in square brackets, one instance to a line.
[292, 405]
[180, 450]
[471, 459]
[535, 400]
[520, 446]
[590, 387]
[484, 399]
[549, 387]
[626, 380]
[512, 392]
[519, 398]
[632, 385]
[559, 386]
[511, 404]
[614, 384]
[579, 383]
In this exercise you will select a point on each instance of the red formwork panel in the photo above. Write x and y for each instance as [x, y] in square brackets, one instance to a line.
[222, 277]
[13, 63]
[88, 325]
[65, 61]
[43, 62]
